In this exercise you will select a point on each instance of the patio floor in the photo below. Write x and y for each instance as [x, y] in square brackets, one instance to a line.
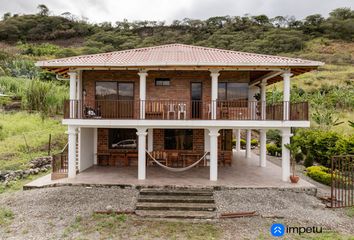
[244, 173]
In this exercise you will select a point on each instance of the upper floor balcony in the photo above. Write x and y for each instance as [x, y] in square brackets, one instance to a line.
[186, 110]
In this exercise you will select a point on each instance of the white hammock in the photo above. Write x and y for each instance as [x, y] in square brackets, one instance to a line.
[176, 169]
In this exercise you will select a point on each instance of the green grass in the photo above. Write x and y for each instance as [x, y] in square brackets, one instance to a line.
[118, 226]
[350, 212]
[17, 185]
[16, 127]
[6, 216]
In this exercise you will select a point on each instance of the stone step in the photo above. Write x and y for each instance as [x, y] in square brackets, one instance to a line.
[176, 214]
[187, 192]
[176, 199]
[175, 206]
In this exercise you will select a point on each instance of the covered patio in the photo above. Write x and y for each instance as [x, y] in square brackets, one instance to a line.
[244, 173]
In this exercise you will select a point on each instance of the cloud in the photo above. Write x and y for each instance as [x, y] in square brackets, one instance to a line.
[160, 10]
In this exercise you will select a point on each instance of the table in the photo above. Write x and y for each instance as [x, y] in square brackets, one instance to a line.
[185, 157]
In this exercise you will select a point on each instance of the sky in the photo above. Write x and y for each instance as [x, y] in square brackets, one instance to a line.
[168, 10]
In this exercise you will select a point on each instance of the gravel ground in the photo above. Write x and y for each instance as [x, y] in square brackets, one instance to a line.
[47, 213]
[44, 213]
[283, 206]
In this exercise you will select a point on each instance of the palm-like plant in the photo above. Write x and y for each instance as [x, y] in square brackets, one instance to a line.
[294, 149]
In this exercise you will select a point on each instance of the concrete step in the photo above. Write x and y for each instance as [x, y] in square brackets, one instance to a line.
[176, 199]
[175, 206]
[177, 192]
[176, 214]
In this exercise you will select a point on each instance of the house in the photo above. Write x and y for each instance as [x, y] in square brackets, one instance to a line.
[176, 104]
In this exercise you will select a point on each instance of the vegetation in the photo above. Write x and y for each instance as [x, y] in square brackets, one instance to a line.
[6, 216]
[15, 132]
[273, 149]
[112, 226]
[320, 174]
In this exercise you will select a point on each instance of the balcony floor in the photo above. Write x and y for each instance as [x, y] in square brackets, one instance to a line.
[244, 173]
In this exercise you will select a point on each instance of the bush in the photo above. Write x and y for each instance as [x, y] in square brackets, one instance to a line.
[273, 149]
[243, 143]
[254, 142]
[308, 161]
[273, 135]
[320, 174]
[299, 157]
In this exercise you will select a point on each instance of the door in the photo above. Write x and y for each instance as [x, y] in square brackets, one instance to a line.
[196, 100]
[125, 100]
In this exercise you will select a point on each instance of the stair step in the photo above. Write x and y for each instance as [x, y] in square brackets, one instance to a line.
[176, 192]
[176, 199]
[176, 214]
[175, 206]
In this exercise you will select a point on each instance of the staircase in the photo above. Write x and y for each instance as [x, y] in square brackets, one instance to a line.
[176, 203]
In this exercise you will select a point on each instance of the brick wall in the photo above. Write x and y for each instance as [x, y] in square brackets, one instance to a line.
[179, 88]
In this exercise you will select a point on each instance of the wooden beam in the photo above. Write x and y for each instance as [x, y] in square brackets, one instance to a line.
[265, 77]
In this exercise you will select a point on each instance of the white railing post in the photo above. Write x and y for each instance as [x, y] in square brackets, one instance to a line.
[214, 91]
[142, 92]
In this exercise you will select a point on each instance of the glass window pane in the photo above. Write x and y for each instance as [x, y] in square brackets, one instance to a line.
[106, 90]
[122, 138]
[237, 91]
[222, 91]
[178, 139]
[126, 91]
[196, 91]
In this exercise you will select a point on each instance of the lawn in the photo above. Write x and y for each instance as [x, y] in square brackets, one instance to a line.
[18, 128]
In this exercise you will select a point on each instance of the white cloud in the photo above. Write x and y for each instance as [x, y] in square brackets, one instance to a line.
[168, 10]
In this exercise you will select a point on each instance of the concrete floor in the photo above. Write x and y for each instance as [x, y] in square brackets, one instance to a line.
[244, 173]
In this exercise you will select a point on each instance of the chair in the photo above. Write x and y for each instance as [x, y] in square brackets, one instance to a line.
[182, 109]
[173, 159]
[171, 109]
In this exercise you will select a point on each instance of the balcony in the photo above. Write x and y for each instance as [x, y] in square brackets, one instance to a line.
[185, 110]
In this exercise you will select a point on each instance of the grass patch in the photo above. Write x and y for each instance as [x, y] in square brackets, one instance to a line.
[6, 216]
[120, 226]
[14, 186]
[13, 150]
[350, 212]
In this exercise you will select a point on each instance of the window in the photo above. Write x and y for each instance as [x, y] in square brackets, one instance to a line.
[232, 91]
[178, 139]
[114, 91]
[122, 138]
[162, 82]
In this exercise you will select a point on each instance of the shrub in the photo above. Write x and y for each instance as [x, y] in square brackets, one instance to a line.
[299, 157]
[254, 142]
[320, 174]
[273, 149]
[243, 143]
[308, 161]
[273, 135]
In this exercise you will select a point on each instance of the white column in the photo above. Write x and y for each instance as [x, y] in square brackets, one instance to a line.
[206, 140]
[142, 92]
[150, 139]
[286, 94]
[72, 95]
[214, 91]
[71, 151]
[285, 154]
[95, 135]
[238, 140]
[248, 143]
[263, 148]
[141, 153]
[213, 134]
[263, 99]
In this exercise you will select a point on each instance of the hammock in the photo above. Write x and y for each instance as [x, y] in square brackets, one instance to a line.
[176, 169]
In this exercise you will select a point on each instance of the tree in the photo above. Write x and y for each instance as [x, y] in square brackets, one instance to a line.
[6, 16]
[43, 10]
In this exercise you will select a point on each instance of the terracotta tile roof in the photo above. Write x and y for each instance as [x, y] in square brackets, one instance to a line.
[176, 55]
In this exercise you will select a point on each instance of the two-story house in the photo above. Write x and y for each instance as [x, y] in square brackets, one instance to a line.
[176, 104]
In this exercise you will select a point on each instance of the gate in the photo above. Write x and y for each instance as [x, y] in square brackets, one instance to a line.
[342, 184]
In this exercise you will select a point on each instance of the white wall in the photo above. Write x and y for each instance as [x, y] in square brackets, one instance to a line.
[86, 148]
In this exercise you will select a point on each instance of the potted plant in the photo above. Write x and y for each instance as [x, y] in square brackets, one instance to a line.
[294, 150]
